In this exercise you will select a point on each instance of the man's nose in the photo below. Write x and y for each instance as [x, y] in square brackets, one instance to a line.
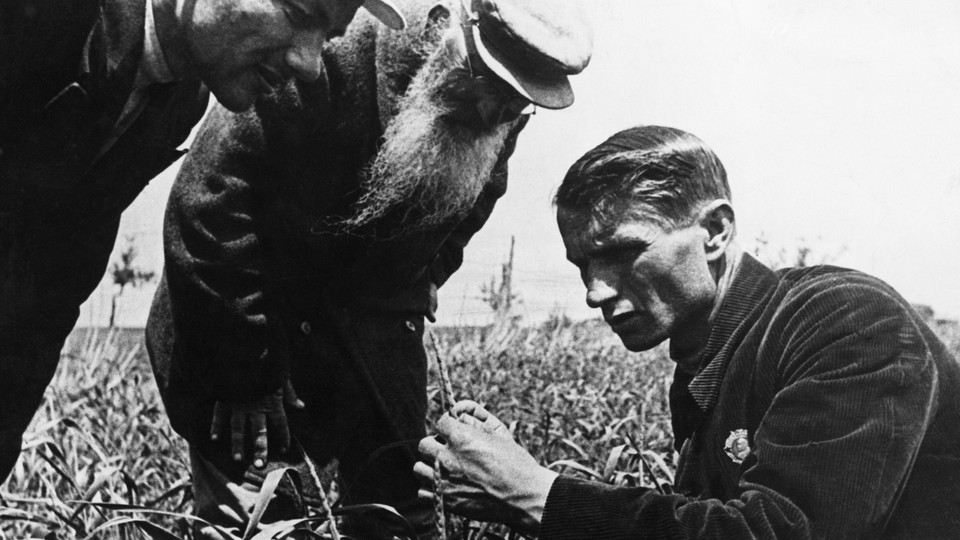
[600, 290]
[304, 55]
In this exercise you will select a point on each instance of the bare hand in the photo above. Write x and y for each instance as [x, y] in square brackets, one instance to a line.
[260, 420]
[486, 475]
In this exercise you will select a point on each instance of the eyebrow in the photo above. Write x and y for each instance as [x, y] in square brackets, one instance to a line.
[315, 14]
[612, 247]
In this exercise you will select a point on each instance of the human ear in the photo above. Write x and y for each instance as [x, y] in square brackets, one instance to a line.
[717, 219]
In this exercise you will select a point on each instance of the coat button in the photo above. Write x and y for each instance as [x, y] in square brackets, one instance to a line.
[305, 328]
[410, 326]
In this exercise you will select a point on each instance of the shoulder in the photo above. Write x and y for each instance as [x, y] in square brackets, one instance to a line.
[835, 320]
[833, 290]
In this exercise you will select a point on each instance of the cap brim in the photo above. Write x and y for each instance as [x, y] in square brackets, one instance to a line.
[387, 12]
[549, 92]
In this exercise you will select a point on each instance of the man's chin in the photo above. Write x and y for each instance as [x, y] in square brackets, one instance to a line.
[635, 343]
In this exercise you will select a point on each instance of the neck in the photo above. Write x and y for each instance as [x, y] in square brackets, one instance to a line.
[686, 353]
[727, 267]
[166, 17]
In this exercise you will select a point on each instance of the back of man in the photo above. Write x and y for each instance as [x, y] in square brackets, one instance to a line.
[823, 339]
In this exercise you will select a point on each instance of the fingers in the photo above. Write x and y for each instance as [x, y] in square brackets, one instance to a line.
[258, 429]
[448, 429]
[290, 396]
[238, 422]
[473, 414]
[424, 473]
[427, 494]
[429, 447]
[217, 421]
[255, 422]
[467, 406]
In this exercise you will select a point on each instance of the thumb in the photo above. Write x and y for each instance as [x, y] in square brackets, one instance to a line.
[290, 396]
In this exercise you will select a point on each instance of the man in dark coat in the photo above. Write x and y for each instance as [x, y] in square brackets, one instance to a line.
[95, 98]
[806, 402]
[305, 241]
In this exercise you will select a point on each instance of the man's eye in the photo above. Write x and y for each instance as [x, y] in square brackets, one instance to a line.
[297, 16]
[624, 255]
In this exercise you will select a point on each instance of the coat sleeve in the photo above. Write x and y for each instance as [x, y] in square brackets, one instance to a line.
[450, 256]
[857, 386]
[229, 337]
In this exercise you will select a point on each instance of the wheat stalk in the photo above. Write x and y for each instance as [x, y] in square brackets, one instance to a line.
[446, 387]
[438, 500]
[446, 395]
[324, 496]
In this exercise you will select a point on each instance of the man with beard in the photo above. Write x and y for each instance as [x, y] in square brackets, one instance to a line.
[305, 243]
[95, 98]
[806, 402]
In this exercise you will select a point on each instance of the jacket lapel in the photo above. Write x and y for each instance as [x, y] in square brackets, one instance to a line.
[692, 398]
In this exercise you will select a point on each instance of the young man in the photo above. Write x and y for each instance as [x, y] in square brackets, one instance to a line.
[95, 98]
[305, 241]
[808, 402]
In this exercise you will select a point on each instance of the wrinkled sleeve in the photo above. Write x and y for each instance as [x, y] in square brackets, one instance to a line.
[450, 256]
[228, 334]
[857, 388]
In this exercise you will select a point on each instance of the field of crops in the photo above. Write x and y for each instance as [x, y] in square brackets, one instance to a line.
[101, 461]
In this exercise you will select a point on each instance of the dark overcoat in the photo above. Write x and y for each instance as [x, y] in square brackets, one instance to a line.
[66, 71]
[257, 287]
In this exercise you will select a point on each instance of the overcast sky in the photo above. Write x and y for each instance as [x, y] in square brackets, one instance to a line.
[837, 121]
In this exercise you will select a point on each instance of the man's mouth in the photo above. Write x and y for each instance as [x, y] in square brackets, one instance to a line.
[622, 321]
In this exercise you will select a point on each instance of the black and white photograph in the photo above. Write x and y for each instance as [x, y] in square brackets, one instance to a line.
[479, 269]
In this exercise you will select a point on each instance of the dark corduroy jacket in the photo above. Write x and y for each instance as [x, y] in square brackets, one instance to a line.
[851, 412]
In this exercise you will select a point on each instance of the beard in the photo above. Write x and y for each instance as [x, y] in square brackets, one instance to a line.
[430, 168]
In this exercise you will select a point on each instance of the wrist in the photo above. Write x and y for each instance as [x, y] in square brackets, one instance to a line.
[535, 500]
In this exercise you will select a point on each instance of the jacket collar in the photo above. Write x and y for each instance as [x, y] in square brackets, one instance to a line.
[752, 284]
[111, 57]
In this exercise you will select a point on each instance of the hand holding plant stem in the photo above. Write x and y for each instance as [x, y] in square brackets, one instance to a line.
[486, 475]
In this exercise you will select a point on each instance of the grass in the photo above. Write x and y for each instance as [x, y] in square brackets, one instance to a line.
[100, 449]
[100, 437]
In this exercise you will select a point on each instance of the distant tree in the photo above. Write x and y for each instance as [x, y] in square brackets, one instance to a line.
[800, 254]
[126, 273]
[557, 319]
[500, 296]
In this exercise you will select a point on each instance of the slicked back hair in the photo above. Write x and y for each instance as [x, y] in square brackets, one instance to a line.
[657, 173]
